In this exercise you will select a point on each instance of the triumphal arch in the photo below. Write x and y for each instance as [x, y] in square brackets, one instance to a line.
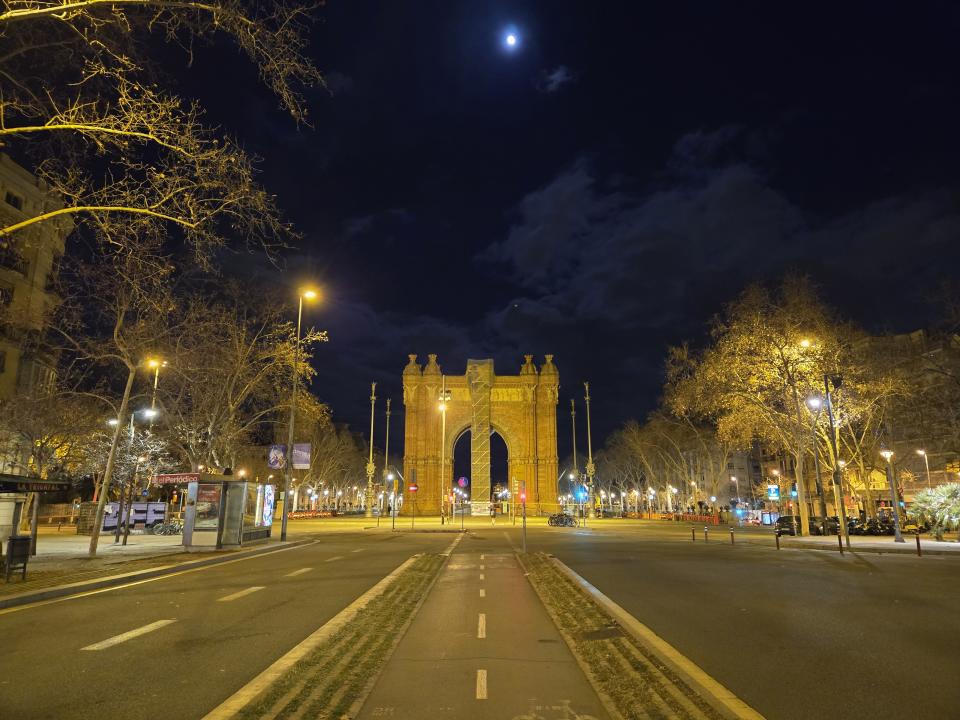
[522, 409]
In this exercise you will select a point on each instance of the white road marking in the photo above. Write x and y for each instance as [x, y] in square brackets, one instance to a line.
[481, 556]
[129, 635]
[242, 593]
[481, 684]
[482, 626]
[358, 550]
[481, 576]
[301, 571]
[337, 557]
[483, 593]
[482, 566]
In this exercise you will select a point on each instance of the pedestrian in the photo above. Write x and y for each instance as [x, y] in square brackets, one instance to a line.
[493, 515]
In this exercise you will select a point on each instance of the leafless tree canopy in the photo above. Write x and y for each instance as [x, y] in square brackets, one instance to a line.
[83, 101]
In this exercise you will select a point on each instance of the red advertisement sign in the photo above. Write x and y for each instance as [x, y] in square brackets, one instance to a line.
[174, 479]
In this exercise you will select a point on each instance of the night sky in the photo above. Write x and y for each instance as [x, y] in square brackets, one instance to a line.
[600, 191]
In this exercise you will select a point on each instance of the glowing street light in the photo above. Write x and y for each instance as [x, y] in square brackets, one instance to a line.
[309, 294]
[926, 462]
[895, 503]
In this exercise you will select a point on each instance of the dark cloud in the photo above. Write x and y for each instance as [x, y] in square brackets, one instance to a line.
[607, 277]
[552, 81]
[337, 82]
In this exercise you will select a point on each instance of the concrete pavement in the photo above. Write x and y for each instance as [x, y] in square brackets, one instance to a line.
[795, 634]
[179, 645]
[482, 646]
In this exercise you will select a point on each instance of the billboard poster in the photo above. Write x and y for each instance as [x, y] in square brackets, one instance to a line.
[277, 457]
[301, 456]
[208, 506]
[267, 518]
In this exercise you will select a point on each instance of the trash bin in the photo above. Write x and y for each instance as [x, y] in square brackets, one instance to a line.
[18, 553]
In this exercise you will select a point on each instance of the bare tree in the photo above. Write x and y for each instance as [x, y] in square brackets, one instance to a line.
[83, 98]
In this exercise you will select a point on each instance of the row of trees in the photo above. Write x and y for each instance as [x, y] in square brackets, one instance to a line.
[156, 196]
[760, 386]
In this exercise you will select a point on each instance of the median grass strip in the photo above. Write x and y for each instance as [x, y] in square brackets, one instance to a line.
[327, 683]
[634, 683]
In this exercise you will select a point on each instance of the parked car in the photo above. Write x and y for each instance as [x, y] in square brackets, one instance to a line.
[787, 525]
[817, 526]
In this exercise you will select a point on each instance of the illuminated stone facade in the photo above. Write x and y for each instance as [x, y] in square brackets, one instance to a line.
[522, 409]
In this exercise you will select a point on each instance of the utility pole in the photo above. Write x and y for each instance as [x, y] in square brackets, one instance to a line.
[368, 512]
[591, 468]
[836, 381]
[386, 462]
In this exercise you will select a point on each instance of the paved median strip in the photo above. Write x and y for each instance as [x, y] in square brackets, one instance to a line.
[636, 673]
[129, 635]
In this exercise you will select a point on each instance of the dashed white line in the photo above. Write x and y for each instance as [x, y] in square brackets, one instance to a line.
[301, 571]
[358, 550]
[483, 593]
[482, 566]
[481, 684]
[129, 635]
[242, 593]
[481, 576]
[337, 557]
[482, 626]
[481, 556]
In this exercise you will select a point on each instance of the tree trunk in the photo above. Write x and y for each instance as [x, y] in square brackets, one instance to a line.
[111, 459]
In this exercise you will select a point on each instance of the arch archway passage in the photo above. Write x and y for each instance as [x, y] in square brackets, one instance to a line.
[521, 408]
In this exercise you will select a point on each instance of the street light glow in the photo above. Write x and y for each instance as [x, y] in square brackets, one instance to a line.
[887, 454]
[921, 452]
[814, 402]
[309, 293]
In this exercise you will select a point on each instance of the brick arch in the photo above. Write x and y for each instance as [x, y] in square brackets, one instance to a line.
[520, 408]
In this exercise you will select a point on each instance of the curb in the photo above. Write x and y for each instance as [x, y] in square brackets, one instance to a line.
[718, 696]
[907, 549]
[59, 591]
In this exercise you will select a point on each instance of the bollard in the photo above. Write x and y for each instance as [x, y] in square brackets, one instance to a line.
[706, 534]
[777, 536]
[840, 541]
[731, 536]
[919, 551]
[693, 533]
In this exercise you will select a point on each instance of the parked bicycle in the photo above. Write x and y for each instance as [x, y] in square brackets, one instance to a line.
[562, 520]
[174, 527]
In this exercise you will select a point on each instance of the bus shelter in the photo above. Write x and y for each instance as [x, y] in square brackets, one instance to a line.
[227, 511]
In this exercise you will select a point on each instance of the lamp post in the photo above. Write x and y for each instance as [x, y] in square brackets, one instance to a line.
[815, 403]
[591, 468]
[573, 434]
[386, 462]
[892, 481]
[368, 498]
[926, 462]
[444, 399]
[836, 381]
[155, 364]
[305, 294]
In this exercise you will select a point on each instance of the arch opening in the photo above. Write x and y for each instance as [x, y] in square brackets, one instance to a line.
[499, 466]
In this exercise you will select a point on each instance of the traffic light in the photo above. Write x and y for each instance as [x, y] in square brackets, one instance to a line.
[523, 496]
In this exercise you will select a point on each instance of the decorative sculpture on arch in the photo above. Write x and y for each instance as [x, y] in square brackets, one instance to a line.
[522, 409]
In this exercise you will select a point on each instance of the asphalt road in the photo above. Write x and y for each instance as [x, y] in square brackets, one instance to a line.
[82, 658]
[482, 647]
[795, 633]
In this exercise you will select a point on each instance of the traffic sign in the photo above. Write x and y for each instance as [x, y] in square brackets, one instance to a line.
[412, 488]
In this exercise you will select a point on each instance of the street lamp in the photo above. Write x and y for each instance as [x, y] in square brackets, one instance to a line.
[442, 407]
[735, 481]
[155, 364]
[815, 403]
[891, 480]
[370, 467]
[926, 462]
[309, 294]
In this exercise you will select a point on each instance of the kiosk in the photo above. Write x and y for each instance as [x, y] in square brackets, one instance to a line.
[226, 511]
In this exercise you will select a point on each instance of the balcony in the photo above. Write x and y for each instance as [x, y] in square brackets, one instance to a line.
[13, 260]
